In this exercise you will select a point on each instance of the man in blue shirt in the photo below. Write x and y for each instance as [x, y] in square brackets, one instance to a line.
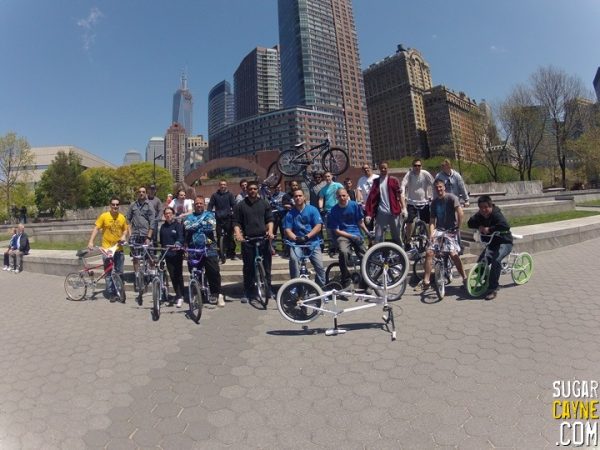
[200, 233]
[327, 200]
[346, 218]
[302, 224]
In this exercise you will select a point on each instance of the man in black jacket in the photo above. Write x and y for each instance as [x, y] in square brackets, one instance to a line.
[22, 248]
[253, 218]
[222, 202]
[488, 220]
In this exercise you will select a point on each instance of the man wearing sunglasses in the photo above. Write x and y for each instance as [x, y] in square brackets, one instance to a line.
[113, 226]
[303, 225]
[417, 187]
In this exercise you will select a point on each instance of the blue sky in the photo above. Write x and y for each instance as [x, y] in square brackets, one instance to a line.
[101, 74]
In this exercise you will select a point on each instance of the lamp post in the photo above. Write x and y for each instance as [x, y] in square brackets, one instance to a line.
[161, 156]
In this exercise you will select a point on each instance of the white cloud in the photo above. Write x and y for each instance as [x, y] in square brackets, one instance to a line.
[89, 27]
[497, 49]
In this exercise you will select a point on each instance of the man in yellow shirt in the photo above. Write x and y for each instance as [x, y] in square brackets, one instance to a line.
[113, 226]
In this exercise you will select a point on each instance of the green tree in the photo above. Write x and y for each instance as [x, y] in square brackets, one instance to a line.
[129, 178]
[16, 163]
[100, 185]
[559, 93]
[587, 150]
[62, 185]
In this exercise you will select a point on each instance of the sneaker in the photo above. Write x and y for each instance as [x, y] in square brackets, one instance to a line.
[491, 295]
[220, 301]
[6, 268]
[179, 303]
[424, 286]
[113, 298]
[244, 299]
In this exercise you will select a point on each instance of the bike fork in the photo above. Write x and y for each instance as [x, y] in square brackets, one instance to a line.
[389, 318]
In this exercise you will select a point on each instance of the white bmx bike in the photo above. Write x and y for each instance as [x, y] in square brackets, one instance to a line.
[383, 267]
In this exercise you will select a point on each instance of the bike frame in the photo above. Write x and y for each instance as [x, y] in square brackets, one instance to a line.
[322, 147]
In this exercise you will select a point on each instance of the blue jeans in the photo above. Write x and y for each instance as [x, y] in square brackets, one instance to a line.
[119, 262]
[496, 257]
[316, 259]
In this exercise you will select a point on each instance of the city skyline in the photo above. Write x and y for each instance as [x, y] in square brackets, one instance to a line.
[101, 77]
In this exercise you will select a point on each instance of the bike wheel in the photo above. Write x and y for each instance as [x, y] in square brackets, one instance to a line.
[333, 273]
[294, 300]
[262, 286]
[274, 175]
[419, 237]
[156, 294]
[439, 280]
[522, 268]
[385, 262]
[140, 286]
[335, 160]
[477, 281]
[196, 300]
[75, 286]
[118, 285]
[418, 268]
[288, 163]
[394, 293]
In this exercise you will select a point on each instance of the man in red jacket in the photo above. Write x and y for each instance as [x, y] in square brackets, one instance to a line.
[385, 205]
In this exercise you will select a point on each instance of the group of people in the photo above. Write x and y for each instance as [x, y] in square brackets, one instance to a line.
[186, 225]
[347, 215]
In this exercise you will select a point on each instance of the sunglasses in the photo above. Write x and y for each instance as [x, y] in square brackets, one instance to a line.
[416, 165]
[253, 189]
[114, 204]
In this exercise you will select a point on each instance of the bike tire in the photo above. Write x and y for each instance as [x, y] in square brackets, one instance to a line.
[418, 268]
[379, 257]
[419, 236]
[273, 171]
[118, 285]
[394, 294]
[335, 160]
[333, 273]
[478, 280]
[140, 285]
[156, 294]
[75, 286]
[288, 164]
[439, 280]
[262, 286]
[294, 291]
[196, 299]
[522, 268]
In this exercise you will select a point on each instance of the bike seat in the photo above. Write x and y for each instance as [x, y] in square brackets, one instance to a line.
[301, 144]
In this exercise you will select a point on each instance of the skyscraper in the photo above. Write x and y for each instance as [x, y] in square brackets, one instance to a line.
[454, 124]
[182, 106]
[220, 107]
[156, 147]
[597, 84]
[320, 67]
[394, 89]
[175, 144]
[132, 156]
[257, 83]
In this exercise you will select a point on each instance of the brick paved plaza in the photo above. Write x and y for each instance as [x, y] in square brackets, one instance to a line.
[463, 373]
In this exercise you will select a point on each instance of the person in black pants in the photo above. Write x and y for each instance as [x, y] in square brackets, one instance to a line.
[222, 202]
[252, 218]
[171, 233]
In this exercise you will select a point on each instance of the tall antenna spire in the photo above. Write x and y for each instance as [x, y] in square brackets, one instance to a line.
[183, 81]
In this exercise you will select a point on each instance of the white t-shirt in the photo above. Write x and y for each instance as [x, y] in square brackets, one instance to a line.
[182, 208]
[417, 189]
[384, 196]
[365, 184]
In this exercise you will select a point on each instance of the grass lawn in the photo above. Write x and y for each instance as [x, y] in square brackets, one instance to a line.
[590, 203]
[71, 245]
[545, 218]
